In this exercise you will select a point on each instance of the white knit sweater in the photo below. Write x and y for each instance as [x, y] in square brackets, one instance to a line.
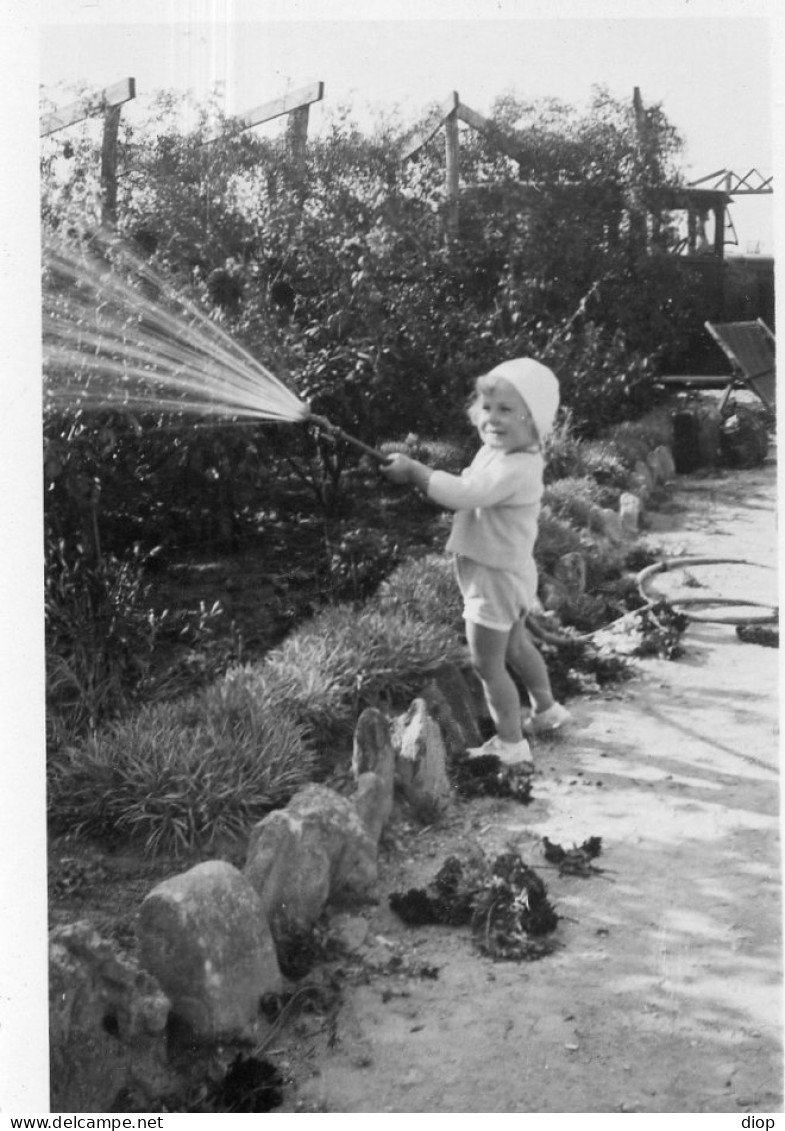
[497, 504]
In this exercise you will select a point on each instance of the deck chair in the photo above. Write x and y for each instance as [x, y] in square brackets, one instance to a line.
[750, 348]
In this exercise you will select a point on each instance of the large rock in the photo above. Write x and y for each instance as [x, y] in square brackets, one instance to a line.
[553, 595]
[372, 804]
[204, 936]
[421, 761]
[630, 512]
[302, 856]
[607, 523]
[661, 464]
[641, 481]
[455, 700]
[107, 1024]
[373, 766]
[570, 571]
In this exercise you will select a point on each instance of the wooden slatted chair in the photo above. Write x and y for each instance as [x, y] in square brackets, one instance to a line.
[750, 348]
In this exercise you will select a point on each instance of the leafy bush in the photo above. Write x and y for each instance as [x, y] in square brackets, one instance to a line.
[181, 774]
[574, 499]
[567, 456]
[634, 439]
[451, 455]
[602, 379]
[555, 537]
[359, 557]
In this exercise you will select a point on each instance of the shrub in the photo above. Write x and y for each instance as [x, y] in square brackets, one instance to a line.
[562, 451]
[359, 557]
[599, 460]
[573, 499]
[182, 774]
[100, 633]
[450, 455]
[604, 563]
[568, 457]
[555, 537]
[634, 439]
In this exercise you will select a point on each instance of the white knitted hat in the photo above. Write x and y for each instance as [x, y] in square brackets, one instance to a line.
[537, 385]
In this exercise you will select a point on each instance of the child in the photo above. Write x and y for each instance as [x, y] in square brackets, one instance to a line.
[497, 503]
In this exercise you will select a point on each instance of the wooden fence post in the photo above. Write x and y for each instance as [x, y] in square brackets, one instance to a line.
[109, 166]
[452, 171]
[297, 133]
[110, 101]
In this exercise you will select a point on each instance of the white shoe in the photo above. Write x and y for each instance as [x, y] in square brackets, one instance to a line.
[544, 722]
[509, 753]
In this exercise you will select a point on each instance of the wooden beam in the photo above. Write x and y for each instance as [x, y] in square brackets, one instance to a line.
[491, 131]
[114, 95]
[449, 106]
[735, 185]
[295, 100]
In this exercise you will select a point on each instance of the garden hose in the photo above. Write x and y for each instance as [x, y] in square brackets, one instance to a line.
[562, 639]
[684, 605]
[336, 433]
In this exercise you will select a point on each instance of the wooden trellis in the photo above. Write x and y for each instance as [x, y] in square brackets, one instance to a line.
[296, 105]
[108, 102]
[450, 112]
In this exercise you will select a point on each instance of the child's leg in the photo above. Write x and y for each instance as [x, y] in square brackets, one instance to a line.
[488, 647]
[525, 659]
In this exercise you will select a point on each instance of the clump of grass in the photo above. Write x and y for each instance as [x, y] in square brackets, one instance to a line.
[423, 589]
[345, 659]
[202, 769]
[179, 775]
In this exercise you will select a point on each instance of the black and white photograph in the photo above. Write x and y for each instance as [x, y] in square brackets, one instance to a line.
[390, 623]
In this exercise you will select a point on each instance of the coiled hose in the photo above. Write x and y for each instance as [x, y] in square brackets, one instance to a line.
[684, 605]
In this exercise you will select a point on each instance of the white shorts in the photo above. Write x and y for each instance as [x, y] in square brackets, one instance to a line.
[492, 597]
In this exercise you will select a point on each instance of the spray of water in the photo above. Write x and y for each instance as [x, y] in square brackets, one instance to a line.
[117, 335]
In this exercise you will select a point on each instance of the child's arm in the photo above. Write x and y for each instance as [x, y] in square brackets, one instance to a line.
[476, 487]
[402, 469]
[485, 486]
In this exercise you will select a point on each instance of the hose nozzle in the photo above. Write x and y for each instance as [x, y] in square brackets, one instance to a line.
[336, 433]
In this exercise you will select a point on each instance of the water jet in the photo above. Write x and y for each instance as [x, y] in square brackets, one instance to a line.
[117, 335]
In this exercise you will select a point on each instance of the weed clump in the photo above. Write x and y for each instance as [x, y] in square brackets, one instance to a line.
[487, 776]
[504, 902]
[575, 861]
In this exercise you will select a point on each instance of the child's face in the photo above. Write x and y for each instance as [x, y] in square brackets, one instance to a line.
[504, 420]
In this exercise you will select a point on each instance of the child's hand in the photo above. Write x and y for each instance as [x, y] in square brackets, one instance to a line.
[398, 468]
